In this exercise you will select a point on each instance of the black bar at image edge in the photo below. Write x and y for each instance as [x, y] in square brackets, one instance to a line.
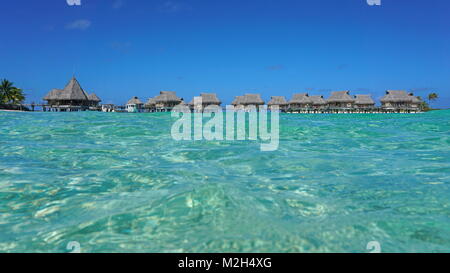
[224, 262]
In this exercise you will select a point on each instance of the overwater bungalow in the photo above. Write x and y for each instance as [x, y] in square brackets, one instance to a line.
[94, 99]
[135, 105]
[166, 101]
[238, 102]
[416, 103]
[300, 103]
[364, 104]
[108, 107]
[150, 106]
[71, 98]
[340, 102]
[242, 102]
[319, 104]
[279, 101]
[207, 100]
[399, 101]
[184, 107]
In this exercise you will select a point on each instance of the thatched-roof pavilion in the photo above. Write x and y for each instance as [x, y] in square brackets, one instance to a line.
[71, 98]
[166, 101]
[135, 105]
[95, 100]
[207, 100]
[300, 101]
[415, 100]
[340, 100]
[135, 101]
[253, 99]
[182, 107]
[400, 100]
[241, 102]
[364, 102]
[167, 97]
[238, 100]
[396, 96]
[318, 102]
[279, 101]
[53, 95]
[151, 102]
[150, 105]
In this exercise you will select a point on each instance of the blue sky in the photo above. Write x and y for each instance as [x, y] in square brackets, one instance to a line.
[124, 48]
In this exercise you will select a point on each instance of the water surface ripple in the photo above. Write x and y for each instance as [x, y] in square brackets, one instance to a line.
[119, 183]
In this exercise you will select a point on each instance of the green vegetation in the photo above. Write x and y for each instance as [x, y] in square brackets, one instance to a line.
[432, 97]
[426, 106]
[9, 94]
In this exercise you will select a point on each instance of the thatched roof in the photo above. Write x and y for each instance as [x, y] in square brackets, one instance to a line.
[248, 99]
[364, 100]
[396, 96]
[53, 95]
[208, 98]
[94, 97]
[253, 99]
[151, 102]
[238, 100]
[277, 100]
[414, 99]
[317, 100]
[167, 97]
[72, 91]
[301, 98]
[340, 96]
[134, 100]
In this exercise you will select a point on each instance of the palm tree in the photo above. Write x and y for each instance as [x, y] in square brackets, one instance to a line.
[17, 96]
[5, 86]
[432, 97]
[9, 94]
[423, 104]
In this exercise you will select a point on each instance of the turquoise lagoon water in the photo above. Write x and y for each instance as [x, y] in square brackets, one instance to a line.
[119, 183]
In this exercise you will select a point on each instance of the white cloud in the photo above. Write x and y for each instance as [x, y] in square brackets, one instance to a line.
[81, 24]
